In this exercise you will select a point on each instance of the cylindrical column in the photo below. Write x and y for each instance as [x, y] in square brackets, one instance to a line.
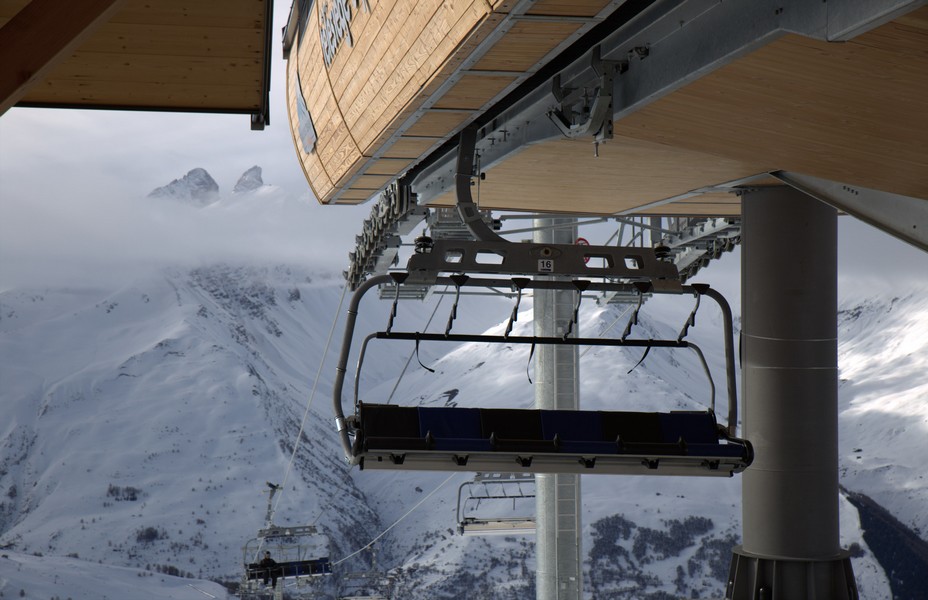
[791, 545]
[557, 544]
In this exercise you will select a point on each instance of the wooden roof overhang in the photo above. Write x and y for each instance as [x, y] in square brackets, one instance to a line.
[706, 96]
[171, 55]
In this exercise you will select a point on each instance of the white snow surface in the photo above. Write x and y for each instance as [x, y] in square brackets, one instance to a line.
[140, 425]
[141, 421]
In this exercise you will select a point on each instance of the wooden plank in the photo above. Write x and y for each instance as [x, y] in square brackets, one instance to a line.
[344, 162]
[353, 64]
[242, 14]
[435, 123]
[576, 8]
[564, 176]
[800, 105]
[8, 8]
[706, 205]
[388, 166]
[371, 182]
[323, 114]
[392, 70]
[854, 112]
[474, 91]
[336, 151]
[140, 68]
[355, 196]
[176, 40]
[319, 182]
[42, 35]
[408, 148]
[418, 74]
[525, 45]
[361, 74]
[151, 95]
[907, 35]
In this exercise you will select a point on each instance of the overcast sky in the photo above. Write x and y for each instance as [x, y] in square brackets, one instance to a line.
[73, 186]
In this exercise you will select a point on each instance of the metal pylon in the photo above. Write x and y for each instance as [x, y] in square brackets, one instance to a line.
[557, 387]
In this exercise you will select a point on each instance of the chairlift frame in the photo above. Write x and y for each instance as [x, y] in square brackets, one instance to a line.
[477, 525]
[603, 442]
[290, 552]
[367, 581]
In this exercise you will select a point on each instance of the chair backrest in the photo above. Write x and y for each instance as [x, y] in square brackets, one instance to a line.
[631, 427]
[571, 425]
[388, 420]
[511, 423]
[692, 427]
[446, 422]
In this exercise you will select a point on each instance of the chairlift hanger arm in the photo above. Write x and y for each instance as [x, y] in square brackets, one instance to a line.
[529, 259]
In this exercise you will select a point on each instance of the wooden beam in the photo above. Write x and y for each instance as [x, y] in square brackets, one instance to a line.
[39, 36]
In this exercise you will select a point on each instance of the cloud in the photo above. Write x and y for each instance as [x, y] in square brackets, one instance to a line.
[73, 186]
[871, 261]
[72, 206]
[62, 237]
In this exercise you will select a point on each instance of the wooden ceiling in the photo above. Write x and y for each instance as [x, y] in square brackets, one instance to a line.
[854, 112]
[180, 55]
[415, 72]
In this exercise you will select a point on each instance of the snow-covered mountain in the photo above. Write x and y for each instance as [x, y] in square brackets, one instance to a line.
[249, 181]
[197, 188]
[142, 420]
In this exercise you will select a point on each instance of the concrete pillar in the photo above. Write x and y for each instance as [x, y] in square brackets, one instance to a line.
[557, 545]
[791, 545]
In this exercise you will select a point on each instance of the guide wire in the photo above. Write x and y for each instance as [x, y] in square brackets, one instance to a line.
[395, 523]
[606, 330]
[413, 353]
[312, 395]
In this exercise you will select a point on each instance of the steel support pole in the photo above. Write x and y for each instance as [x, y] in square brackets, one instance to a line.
[557, 496]
[791, 547]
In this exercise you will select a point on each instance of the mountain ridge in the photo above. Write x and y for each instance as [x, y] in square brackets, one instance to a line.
[221, 357]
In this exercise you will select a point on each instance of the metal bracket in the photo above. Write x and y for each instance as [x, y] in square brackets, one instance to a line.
[469, 212]
[524, 258]
[598, 122]
[903, 217]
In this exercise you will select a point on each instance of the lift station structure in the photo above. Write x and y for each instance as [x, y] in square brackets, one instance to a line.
[776, 116]
[711, 122]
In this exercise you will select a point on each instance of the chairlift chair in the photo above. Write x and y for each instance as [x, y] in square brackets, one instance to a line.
[371, 584]
[300, 553]
[508, 440]
[492, 489]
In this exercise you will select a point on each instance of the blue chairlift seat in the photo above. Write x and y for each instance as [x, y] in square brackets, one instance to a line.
[296, 568]
[542, 441]
[505, 440]
[456, 429]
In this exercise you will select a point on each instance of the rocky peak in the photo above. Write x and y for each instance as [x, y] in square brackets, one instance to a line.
[196, 187]
[249, 181]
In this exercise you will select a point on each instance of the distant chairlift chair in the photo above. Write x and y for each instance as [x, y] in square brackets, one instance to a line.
[296, 550]
[490, 489]
[507, 440]
[372, 584]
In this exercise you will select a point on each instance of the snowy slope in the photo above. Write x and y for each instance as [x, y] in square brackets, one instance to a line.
[26, 576]
[648, 537]
[142, 419]
[164, 406]
[883, 413]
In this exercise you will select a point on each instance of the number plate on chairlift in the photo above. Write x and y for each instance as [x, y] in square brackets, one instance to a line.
[545, 265]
